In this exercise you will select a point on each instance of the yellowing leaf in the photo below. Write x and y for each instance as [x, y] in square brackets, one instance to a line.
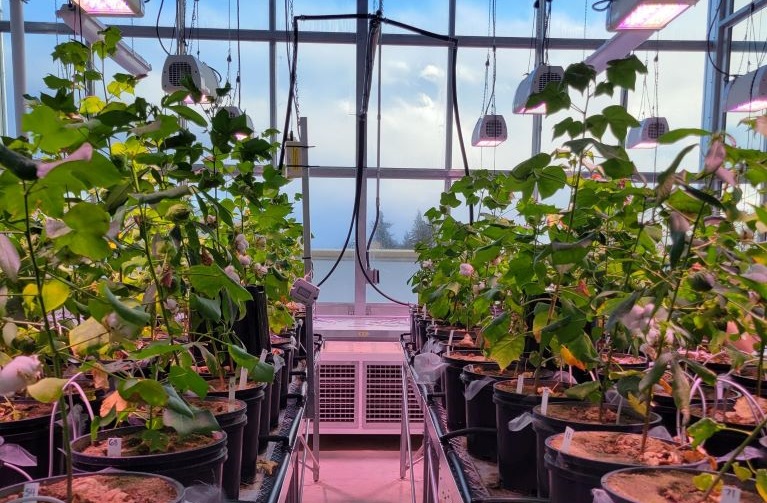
[636, 404]
[112, 401]
[55, 293]
[761, 483]
[92, 105]
[47, 390]
[570, 359]
[100, 377]
[88, 334]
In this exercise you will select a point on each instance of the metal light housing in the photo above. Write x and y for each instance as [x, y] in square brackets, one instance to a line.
[747, 93]
[236, 112]
[112, 8]
[644, 14]
[647, 133]
[179, 66]
[489, 131]
[535, 83]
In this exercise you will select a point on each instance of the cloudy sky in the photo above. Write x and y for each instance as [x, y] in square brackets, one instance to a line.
[413, 82]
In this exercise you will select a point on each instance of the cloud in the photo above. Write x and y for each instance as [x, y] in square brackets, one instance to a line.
[433, 73]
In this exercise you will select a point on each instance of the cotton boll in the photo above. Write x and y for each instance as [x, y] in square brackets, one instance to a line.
[20, 372]
[232, 273]
[466, 269]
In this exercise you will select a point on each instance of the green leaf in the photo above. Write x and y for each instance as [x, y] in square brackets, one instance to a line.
[148, 391]
[88, 335]
[621, 309]
[680, 390]
[259, 371]
[703, 430]
[666, 179]
[570, 253]
[209, 309]
[190, 115]
[175, 403]
[618, 168]
[135, 316]
[47, 390]
[157, 348]
[507, 350]
[705, 197]
[210, 280]
[524, 170]
[654, 374]
[201, 421]
[186, 379]
[588, 390]
[677, 134]
[89, 223]
[55, 294]
[579, 76]
[619, 120]
[741, 472]
[550, 180]
[706, 374]
[703, 481]
[156, 197]
[497, 329]
[678, 241]
[761, 483]
[623, 72]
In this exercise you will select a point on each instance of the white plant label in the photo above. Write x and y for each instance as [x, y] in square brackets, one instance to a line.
[243, 378]
[114, 447]
[31, 489]
[730, 494]
[618, 415]
[545, 401]
[450, 339]
[719, 390]
[520, 385]
[567, 440]
[232, 389]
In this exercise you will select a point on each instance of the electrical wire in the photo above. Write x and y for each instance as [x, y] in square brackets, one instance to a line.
[709, 41]
[157, 28]
[378, 162]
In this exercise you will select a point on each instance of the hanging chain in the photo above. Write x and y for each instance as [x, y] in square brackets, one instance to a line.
[238, 82]
[229, 41]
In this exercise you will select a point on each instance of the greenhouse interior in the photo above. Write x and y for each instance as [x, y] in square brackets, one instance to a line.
[375, 251]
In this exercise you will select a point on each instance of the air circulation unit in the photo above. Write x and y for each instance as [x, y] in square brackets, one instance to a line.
[177, 67]
[534, 83]
[747, 93]
[647, 133]
[644, 14]
[490, 131]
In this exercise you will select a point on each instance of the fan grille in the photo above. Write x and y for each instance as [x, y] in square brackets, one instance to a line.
[494, 129]
[177, 71]
[656, 129]
[547, 77]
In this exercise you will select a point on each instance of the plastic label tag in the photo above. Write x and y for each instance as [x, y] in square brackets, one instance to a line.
[450, 339]
[520, 385]
[618, 415]
[719, 390]
[569, 432]
[31, 489]
[243, 378]
[521, 422]
[114, 447]
[232, 389]
[545, 401]
[730, 494]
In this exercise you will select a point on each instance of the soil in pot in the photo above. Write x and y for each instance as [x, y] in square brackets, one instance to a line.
[667, 485]
[232, 419]
[580, 417]
[253, 396]
[737, 415]
[480, 411]
[106, 488]
[193, 459]
[455, 402]
[591, 454]
[516, 449]
[663, 403]
[27, 423]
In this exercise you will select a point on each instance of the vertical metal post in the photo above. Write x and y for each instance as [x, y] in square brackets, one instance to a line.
[360, 283]
[451, 49]
[181, 26]
[19, 61]
[312, 392]
[273, 71]
[713, 117]
[540, 58]
[3, 93]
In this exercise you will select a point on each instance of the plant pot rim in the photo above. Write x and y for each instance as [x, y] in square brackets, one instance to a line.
[654, 417]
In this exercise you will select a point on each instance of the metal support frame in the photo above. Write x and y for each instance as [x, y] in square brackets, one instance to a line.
[19, 61]
[273, 75]
[449, 92]
[360, 283]
[540, 55]
[713, 117]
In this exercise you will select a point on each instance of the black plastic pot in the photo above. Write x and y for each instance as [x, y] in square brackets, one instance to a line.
[747, 377]
[572, 477]
[664, 405]
[480, 410]
[265, 423]
[287, 354]
[32, 434]
[516, 449]
[640, 486]
[276, 392]
[139, 476]
[455, 403]
[545, 426]
[233, 424]
[724, 441]
[203, 465]
[254, 402]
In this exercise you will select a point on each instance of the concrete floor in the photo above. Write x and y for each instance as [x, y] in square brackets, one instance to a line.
[361, 469]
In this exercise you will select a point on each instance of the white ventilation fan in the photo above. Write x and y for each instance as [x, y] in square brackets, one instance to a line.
[179, 66]
[534, 83]
[647, 133]
[644, 14]
[490, 131]
[236, 112]
[747, 93]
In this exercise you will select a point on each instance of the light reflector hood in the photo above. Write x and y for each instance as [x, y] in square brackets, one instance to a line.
[647, 133]
[747, 93]
[489, 131]
[644, 14]
[534, 83]
[116, 8]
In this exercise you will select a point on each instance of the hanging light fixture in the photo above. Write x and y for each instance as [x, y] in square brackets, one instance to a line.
[747, 93]
[535, 83]
[90, 28]
[235, 112]
[180, 66]
[489, 131]
[644, 14]
[647, 133]
[115, 8]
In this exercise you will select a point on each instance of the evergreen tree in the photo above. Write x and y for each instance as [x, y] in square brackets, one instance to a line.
[420, 232]
[383, 237]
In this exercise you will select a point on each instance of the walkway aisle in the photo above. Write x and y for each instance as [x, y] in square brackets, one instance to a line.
[360, 469]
